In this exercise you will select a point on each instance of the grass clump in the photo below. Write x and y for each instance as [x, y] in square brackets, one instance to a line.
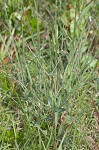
[49, 75]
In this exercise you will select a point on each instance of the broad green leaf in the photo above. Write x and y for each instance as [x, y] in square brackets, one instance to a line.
[65, 20]
[86, 9]
[72, 13]
[92, 62]
[35, 22]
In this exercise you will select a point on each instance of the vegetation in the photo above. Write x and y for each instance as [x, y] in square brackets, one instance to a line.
[49, 67]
